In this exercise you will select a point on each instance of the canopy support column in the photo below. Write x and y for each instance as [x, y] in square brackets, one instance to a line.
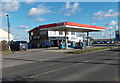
[66, 39]
[88, 40]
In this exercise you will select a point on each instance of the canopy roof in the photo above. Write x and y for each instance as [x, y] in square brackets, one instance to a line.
[70, 26]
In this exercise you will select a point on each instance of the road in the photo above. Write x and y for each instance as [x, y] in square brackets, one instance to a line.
[97, 66]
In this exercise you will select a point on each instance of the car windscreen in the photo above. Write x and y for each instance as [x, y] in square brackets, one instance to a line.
[15, 43]
[22, 42]
[18, 42]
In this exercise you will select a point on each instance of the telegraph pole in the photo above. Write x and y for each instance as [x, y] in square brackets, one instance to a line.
[8, 22]
[110, 34]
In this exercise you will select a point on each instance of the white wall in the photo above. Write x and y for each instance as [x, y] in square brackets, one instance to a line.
[56, 33]
[4, 35]
[70, 37]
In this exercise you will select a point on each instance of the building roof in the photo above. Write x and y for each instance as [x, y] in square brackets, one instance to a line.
[70, 26]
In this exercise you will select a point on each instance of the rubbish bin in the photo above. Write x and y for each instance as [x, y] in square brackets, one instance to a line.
[83, 44]
[62, 46]
[90, 43]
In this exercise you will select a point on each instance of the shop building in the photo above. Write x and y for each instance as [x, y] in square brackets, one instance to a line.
[38, 37]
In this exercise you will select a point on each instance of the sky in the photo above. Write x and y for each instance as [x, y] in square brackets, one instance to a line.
[25, 16]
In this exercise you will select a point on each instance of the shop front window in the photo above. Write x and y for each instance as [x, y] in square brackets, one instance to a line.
[60, 32]
[72, 33]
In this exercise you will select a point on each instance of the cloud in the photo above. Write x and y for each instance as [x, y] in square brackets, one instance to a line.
[70, 9]
[29, 1]
[22, 27]
[67, 5]
[111, 15]
[99, 15]
[67, 14]
[110, 10]
[26, 30]
[0, 22]
[10, 6]
[105, 14]
[3, 15]
[20, 36]
[4, 28]
[93, 23]
[75, 6]
[113, 23]
[109, 28]
[40, 19]
[38, 11]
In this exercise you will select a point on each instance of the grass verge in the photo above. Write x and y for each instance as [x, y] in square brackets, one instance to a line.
[6, 52]
[89, 50]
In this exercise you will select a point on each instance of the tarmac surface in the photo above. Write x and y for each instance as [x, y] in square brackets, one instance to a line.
[50, 65]
[38, 54]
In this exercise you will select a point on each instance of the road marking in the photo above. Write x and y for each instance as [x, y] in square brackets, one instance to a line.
[30, 69]
[86, 61]
[65, 67]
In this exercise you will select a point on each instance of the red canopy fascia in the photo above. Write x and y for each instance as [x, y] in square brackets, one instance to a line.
[70, 24]
[83, 25]
[52, 25]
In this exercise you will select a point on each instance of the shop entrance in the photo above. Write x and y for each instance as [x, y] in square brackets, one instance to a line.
[55, 43]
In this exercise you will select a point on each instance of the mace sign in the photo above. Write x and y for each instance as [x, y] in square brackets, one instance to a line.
[117, 35]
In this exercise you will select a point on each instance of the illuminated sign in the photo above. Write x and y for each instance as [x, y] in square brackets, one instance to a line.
[117, 35]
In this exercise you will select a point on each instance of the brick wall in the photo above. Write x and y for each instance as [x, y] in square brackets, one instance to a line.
[35, 41]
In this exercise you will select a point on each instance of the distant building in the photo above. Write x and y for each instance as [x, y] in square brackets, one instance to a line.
[4, 35]
[38, 37]
[117, 35]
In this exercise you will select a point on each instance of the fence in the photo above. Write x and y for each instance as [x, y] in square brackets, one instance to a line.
[4, 45]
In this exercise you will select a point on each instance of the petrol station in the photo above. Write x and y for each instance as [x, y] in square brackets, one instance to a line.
[71, 27]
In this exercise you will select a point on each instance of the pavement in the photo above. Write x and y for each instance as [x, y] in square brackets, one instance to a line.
[96, 66]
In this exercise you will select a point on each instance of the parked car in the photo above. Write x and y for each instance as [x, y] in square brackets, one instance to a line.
[96, 42]
[18, 45]
[47, 44]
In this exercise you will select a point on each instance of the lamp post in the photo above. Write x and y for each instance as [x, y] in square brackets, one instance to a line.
[8, 30]
[110, 33]
[114, 33]
[8, 27]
